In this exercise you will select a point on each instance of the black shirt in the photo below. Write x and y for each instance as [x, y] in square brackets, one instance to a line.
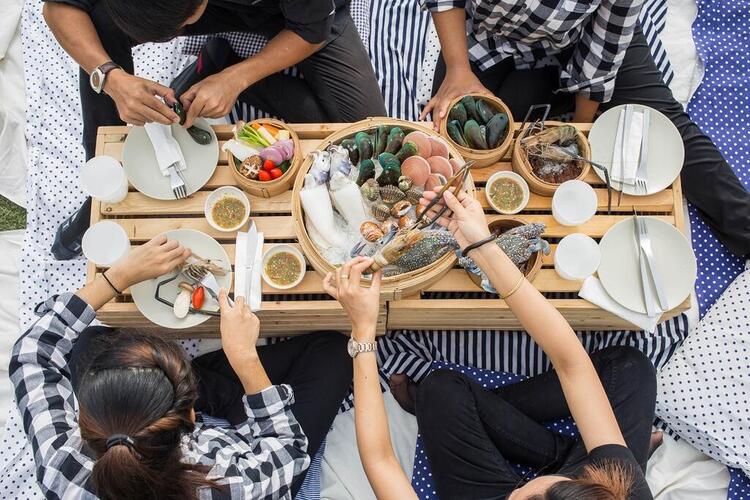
[313, 20]
[615, 453]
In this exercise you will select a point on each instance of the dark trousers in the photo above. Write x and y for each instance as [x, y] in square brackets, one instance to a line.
[471, 434]
[339, 82]
[707, 179]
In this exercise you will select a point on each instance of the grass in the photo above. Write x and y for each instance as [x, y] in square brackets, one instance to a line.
[11, 215]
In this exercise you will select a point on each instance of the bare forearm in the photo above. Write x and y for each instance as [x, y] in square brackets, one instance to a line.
[282, 51]
[75, 32]
[250, 371]
[585, 109]
[451, 28]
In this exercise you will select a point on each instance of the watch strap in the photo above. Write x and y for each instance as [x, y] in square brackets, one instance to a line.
[108, 66]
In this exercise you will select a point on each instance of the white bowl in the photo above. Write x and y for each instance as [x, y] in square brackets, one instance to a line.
[574, 203]
[577, 257]
[511, 175]
[282, 247]
[215, 196]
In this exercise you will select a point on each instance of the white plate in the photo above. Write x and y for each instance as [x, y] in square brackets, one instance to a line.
[143, 293]
[140, 165]
[620, 273]
[666, 152]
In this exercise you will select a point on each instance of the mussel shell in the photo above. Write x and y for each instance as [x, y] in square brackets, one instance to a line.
[364, 145]
[455, 132]
[458, 112]
[484, 111]
[471, 108]
[351, 146]
[366, 171]
[408, 149]
[390, 162]
[421, 141]
[199, 135]
[474, 136]
[389, 177]
[395, 139]
[497, 128]
[381, 139]
[179, 111]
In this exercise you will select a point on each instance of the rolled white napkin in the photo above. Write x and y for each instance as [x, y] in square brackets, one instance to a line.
[166, 147]
[627, 150]
[593, 291]
[247, 263]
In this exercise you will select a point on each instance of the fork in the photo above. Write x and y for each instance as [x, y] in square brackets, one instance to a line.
[645, 241]
[176, 181]
[205, 278]
[641, 175]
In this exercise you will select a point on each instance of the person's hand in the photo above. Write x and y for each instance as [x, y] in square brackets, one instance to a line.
[138, 100]
[361, 303]
[239, 330]
[456, 83]
[156, 257]
[212, 97]
[466, 222]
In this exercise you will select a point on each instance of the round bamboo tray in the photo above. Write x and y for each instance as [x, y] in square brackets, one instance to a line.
[392, 287]
[521, 165]
[276, 186]
[482, 157]
[533, 265]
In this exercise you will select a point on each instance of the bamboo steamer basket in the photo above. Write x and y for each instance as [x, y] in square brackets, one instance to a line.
[521, 165]
[392, 287]
[276, 186]
[533, 265]
[482, 157]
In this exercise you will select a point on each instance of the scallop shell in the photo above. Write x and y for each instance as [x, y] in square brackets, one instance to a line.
[405, 183]
[422, 141]
[440, 165]
[370, 190]
[417, 169]
[413, 196]
[401, 208]
[391, 194]
[434, 181]
[439, 147]
[381, 212]
[371, 231]
[457, 165]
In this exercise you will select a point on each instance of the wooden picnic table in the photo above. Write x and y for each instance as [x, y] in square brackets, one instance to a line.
[443, 305]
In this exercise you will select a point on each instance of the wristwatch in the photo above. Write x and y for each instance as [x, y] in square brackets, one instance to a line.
[99, 75]
[355, 347]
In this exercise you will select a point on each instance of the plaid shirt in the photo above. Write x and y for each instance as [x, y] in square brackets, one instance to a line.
[530, 30]
[258, 459]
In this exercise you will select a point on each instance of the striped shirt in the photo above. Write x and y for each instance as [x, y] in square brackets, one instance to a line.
[258, 459]
[598, 31]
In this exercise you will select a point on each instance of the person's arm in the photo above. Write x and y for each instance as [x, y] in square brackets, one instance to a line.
[385, 474]
[598, 55]
[583, 390]
[38, 365]
[135, 98]
[459, 79]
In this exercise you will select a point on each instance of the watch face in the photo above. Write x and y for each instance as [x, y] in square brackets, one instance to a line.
[352, 347]
[96, 80]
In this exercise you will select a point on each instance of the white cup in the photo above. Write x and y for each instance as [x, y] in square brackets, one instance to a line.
[103, 178]
[574, 203]
[577, 257]
[104, 243]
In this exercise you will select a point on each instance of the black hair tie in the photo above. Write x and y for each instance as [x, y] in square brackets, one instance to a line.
[117, 439]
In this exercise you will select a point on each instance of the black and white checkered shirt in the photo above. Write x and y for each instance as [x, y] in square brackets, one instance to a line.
[530, 30]
[258, 459]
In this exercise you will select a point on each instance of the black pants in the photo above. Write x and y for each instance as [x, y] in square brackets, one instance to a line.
[707, 179]
[339, 82]
[316, 365]
[471, 433]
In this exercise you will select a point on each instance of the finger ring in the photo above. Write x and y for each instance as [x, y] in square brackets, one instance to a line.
[344, 276]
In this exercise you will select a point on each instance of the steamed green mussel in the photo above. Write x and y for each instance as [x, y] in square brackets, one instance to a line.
[199, 135]
[474, 123]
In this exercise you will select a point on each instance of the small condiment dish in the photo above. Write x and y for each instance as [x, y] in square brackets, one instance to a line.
[283, 247]
[506, 174]
[216, 196]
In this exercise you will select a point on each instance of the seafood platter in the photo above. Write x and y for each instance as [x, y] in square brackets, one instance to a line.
[264, 156]
[546, 154]
[358, 194]
[480, 127]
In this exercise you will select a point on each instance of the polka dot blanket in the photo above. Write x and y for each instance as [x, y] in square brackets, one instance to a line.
[422, 477]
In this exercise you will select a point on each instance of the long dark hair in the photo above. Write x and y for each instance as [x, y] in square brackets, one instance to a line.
[149, 20]
[609, 481]
[142, 387]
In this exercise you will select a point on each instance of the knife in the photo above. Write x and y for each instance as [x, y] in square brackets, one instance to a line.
[648, 297]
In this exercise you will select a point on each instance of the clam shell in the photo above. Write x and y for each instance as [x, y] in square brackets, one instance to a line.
[440, 165]
[434, 181]
[417, 168]
[413, 196]
[401, 208]
[370, 190]
[457, 165]
[381, 212]
[370, 231]
[422, 141]
[439, 147]
[391, 194]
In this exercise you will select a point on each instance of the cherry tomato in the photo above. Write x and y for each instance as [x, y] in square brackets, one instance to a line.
[264, 176]
[268, 165]
[276, 173]
[199, 296]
